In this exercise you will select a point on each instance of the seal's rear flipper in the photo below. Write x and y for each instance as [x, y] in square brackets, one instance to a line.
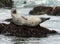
[44, 19]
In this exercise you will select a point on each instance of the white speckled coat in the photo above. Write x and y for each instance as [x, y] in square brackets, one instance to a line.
[21, 20]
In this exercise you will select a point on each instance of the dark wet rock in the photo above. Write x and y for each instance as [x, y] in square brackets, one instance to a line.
[1, 27]
[39, 10]
[6, 3]
[56, 11]
[53, 31]
[25, 2]
[24, 31]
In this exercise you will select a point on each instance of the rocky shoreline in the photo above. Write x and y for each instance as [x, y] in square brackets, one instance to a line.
[40, 10]
[24, 31]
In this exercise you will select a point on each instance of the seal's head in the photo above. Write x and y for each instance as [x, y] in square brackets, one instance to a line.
[13, 11]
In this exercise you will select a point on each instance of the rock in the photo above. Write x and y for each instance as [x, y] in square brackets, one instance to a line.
[24, 31]
[56, 11]
[39, 10]
[1, 27]
[53, 31]
[24, 2]
[6, 3]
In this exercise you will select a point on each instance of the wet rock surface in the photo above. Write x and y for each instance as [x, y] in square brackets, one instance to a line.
[40, 10]
[24, 31]
[56, 11]
[6, 3]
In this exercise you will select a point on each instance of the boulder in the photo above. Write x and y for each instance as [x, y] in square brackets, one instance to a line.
[24, 31]
[6, 3]
[56, 11]
[39, 10]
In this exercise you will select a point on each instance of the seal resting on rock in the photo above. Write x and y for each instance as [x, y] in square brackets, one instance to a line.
[18, 19]
[17, 28]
